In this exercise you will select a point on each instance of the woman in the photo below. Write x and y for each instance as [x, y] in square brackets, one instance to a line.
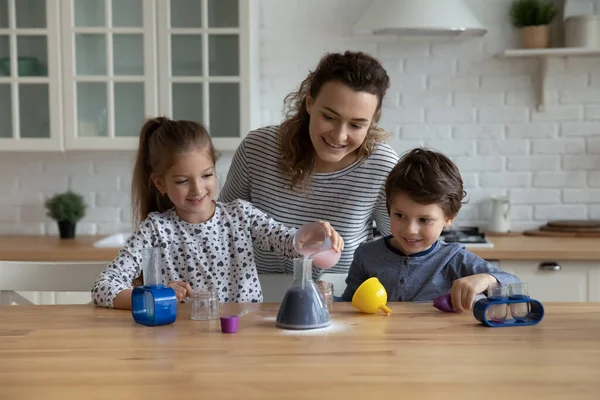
[327, 160]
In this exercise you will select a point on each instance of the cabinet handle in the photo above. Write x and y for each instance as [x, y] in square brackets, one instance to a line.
[549, 266]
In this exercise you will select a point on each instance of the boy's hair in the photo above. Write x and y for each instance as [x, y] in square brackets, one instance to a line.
[161, 140]
[427, 177]
[357, 70]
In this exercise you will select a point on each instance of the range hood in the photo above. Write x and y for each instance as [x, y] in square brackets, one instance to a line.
[431, 18]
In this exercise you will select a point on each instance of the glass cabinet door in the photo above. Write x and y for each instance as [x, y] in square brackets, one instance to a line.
[203, 65]
[110, 57]
[29, 75]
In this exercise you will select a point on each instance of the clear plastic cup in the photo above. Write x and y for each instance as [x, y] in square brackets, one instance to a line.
[519, 291]
[205, 305]
[497, 312]
[311, 241]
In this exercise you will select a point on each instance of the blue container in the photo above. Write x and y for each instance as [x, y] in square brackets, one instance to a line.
[535, 315]
[154, 305]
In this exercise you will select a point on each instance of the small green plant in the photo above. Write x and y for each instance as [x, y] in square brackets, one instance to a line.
[68, 206]
[532, 12]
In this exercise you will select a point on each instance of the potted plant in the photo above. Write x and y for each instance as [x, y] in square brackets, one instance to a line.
[533, 17]
[66, 208]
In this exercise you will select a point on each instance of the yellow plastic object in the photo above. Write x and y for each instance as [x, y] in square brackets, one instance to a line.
[370, 297]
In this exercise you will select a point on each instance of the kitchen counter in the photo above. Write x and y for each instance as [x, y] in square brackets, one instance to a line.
[418, 351]
[51, 248]
[521, 247]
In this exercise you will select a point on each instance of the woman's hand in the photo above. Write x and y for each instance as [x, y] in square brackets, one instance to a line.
[465, 289]
[337, 243]
[182, 289]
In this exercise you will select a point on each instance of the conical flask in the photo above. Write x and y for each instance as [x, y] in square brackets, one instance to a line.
[303, 306]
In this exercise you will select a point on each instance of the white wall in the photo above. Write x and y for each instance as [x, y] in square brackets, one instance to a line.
[453, 96]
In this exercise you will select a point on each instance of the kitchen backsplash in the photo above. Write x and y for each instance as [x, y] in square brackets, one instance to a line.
[454, 96]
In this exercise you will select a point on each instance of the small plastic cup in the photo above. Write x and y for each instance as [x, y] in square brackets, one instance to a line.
[496, 292]
[519, 291]
[205, 305]
[229, 324]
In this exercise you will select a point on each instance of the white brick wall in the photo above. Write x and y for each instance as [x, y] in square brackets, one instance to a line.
[594, 179]
[544, 212]
[574, 179]
[593, 145]
[592, 113]
[531, 131]
[103, 178]
[533, 163]
[503, 114]
[455, 96]
[534, 196]
[479, 164]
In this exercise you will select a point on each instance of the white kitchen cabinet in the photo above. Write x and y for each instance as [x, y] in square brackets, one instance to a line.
[205, 74]
[65, 282]
[45, 298]
[109, 64]
[558, 280]
[30, 75]
[113, 63]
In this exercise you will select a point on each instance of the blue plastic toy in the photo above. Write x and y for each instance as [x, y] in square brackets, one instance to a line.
[153, 304]
[534, 316]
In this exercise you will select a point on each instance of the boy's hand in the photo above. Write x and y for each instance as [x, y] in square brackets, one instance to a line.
[182, 289]
[464, 290]
[337, 243]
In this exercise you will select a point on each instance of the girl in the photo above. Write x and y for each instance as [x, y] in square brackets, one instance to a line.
[327, 160]
[204, 244]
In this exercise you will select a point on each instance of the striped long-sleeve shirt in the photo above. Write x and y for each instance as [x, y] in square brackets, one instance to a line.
[350, 199]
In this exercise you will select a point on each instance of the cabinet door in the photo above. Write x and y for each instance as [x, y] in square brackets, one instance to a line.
[109, 71]
[569, 283]
[45, 298]
[204, 65]
[29, 75]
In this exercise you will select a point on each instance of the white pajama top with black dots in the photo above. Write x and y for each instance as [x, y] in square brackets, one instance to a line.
[216, 254]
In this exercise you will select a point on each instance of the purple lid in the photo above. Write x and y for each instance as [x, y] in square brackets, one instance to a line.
[229, 324]
[443, 303]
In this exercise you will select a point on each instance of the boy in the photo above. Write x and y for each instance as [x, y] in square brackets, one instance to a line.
[424, 193]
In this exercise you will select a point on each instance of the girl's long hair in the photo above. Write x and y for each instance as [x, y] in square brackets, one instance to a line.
[161, 140]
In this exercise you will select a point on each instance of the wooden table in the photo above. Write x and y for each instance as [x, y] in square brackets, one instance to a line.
[82, 352]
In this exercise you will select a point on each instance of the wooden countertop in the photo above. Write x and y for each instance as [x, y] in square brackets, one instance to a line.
[522, 247]
[51, 248]
[64, 352]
